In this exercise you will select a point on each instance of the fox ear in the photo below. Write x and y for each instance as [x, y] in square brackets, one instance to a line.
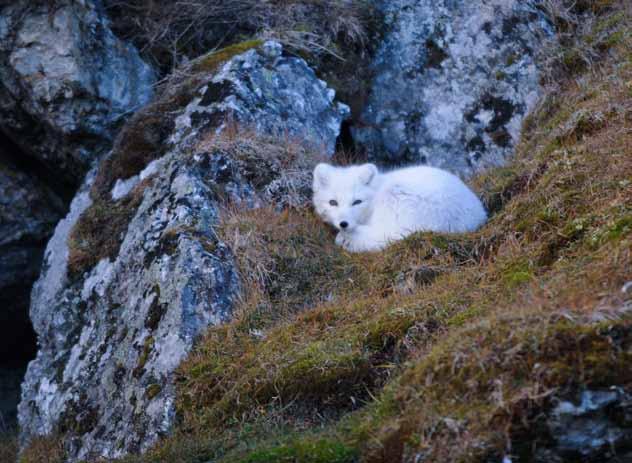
[368, 173]
[321, 175]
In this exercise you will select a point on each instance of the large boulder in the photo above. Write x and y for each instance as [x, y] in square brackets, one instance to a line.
[136, 271]
[452, 82]
[286, 100]
[66, 82]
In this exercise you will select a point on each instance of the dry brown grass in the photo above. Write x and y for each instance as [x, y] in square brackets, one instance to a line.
[583, 35]
[171, 32]
[43, 450]
[446, 345]
[453, 342]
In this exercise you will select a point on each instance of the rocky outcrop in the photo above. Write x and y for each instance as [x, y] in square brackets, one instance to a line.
[66, 82]
[112, 330]
[588, 426]
[452, 82]
[287, 100]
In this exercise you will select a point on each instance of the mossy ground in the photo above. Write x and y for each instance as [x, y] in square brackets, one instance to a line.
[442, 345]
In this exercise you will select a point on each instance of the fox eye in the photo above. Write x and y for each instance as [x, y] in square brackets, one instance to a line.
[356, 202]
[333, 202]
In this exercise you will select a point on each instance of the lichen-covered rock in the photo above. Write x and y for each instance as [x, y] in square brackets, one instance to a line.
[271, 93]
[452, 82]
[588, 426]
[113, 330]
[66, 82]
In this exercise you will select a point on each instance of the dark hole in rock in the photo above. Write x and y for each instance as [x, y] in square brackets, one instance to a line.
[18, 346]
[345, 145]
[11, 154]
[20, 261]
[510, 24]
[435, 54]
[216, 92]
[476, 144]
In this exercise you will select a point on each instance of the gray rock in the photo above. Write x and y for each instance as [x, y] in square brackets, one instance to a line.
[452, 82]
[272, 94]
[592, 428]
[590, 425]
[111, 338]
[66, 82]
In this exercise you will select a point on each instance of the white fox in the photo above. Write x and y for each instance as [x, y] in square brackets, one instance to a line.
[372, 209]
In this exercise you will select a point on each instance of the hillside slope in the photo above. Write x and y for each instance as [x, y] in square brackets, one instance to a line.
[444, 348]
[512, 342]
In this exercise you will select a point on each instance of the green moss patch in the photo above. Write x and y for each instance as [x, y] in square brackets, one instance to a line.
[321, 451]
[99, 232]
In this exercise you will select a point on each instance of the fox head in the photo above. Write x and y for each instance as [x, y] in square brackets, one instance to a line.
[343, 196]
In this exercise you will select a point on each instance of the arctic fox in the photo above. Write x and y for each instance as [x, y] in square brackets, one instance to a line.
[372, 209]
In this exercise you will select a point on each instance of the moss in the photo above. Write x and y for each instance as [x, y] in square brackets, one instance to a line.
[145, 136]
[8, 442]
[461, 318]
[500, 75]
[621, 228]
[152, 391]
[211, 61]
[612, 40]
[329, 347]
[99, 232]
[147, 349]
[48, 449]
[320, 451]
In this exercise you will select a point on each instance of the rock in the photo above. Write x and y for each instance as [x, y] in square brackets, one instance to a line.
[272, 94]
[28, 213]
[136, 272]
[594, 426]
[587, 426]
[66, 82]
[452, 82]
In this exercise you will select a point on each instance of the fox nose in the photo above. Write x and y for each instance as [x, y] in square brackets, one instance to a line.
[344, 224]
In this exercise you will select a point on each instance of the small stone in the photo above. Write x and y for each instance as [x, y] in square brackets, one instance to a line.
[272, 49]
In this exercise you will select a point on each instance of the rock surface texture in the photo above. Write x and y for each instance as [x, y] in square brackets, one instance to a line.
[112, 336]
[452, 82]
[66, 82]
[272, 94]
[592, 426]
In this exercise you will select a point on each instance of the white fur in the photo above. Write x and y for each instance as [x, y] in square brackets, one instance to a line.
[393, 204]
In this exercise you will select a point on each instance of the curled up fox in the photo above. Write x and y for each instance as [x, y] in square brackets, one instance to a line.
[371, 209]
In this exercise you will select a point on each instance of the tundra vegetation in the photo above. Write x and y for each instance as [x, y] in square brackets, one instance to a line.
[446, 346]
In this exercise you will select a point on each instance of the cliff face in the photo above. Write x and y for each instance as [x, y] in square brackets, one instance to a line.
[66, 85]
[190, 307]
[452, 82]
